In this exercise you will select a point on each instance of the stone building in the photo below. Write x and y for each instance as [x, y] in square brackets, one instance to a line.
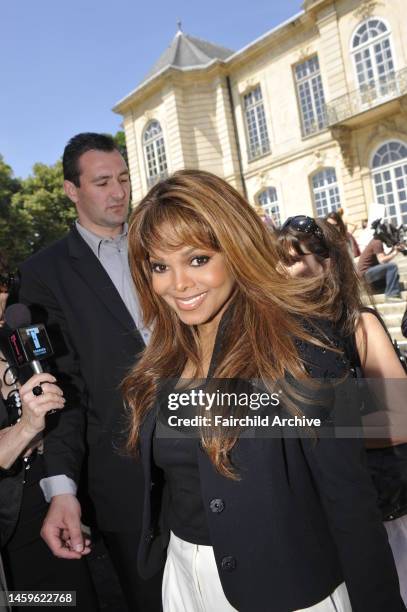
[309, 117]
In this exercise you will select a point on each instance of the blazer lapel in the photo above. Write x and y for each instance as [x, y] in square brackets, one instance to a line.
[87, 265]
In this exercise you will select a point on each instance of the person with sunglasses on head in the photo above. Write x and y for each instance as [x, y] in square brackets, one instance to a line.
[371, 352]
[242, 519]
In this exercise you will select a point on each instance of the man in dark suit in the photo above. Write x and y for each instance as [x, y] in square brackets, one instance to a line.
[81, 287]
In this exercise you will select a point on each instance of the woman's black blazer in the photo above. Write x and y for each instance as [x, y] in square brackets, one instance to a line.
[302, 518]
[11, 491]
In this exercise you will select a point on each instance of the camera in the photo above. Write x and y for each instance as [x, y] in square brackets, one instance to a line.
[389, 234]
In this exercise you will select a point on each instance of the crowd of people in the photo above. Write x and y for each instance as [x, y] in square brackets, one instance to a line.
[242, 505]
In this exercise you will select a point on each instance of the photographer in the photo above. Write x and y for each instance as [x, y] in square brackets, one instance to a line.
[374, 265]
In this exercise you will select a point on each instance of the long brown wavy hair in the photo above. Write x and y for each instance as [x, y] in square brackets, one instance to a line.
[341, 285]
[199, 209]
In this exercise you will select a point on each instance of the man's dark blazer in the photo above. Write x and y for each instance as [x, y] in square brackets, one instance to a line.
[95, 342]
[302, 519]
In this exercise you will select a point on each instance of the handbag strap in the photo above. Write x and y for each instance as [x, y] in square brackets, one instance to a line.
[395, 345]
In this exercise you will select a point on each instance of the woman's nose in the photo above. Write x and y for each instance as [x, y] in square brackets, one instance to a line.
[182, 280]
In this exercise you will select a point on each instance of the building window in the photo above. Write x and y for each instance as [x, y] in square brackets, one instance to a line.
[268, 200]
[389, 174]
[373, 59]
[326, 192]
[154, 152]
[310, 96]
[257, 133]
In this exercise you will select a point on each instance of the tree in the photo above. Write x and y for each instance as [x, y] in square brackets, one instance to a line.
[43, 199]
[120, 141]
[15, 223]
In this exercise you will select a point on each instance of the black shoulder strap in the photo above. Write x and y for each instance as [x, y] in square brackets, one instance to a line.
[351, 348]
[378, 317]
[404, 324]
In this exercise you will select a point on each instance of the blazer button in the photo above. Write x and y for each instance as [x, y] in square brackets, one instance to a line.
[217, 506]
[150, 535]
[228, 564]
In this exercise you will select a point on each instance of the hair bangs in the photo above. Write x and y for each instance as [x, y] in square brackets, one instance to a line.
[169, 227]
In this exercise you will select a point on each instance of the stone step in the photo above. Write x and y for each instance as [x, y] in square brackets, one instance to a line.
[392, 313]
[391, 308]
[393, 320]
[380, 299]
[395, 333]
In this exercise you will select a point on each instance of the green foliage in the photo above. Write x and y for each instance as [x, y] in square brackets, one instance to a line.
[8, 186]
[42, 197]
[33, 212]
[120, 141]
[14, 223]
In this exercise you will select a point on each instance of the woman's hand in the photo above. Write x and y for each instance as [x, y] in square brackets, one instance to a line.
[3, 303]
[35, 407]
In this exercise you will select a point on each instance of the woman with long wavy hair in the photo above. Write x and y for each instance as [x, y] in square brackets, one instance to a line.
[312, 247]
[244, 518]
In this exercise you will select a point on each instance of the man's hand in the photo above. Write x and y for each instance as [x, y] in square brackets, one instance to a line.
[62, 529]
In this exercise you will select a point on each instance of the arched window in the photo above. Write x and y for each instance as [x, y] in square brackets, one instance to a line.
[268, 200]
[389, 174]
[373, 59]
[154, 152]
[325, 192]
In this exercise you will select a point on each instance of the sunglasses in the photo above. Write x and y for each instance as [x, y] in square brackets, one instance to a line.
[302, 223]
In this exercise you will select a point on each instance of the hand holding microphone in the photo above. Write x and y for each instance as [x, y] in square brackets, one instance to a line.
[22, 435]
[28, 344]
[39, 395]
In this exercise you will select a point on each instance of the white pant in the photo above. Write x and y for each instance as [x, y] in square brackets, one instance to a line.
[191, 583]
[397, 533]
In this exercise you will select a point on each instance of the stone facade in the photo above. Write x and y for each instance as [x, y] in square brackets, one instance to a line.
[293, 120]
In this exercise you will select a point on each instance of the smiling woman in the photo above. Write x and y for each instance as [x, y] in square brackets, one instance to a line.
[195, 282]
[243, 523]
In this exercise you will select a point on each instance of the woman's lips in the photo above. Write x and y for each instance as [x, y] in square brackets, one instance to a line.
[192, 302]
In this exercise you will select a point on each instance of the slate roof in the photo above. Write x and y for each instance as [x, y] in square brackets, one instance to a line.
[188, 52]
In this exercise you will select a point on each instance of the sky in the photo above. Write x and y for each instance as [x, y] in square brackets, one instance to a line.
[66, 63]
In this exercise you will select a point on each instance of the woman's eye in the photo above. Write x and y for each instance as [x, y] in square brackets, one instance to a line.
[158, 267]
[200, 260]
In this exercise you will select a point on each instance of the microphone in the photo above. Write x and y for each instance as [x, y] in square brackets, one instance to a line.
[29, 342]
[17, 315]
[28, 345]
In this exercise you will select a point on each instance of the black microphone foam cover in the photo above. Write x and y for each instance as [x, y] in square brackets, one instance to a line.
[17, 315]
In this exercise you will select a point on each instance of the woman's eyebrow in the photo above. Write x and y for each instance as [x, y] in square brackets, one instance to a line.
[184, 254]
